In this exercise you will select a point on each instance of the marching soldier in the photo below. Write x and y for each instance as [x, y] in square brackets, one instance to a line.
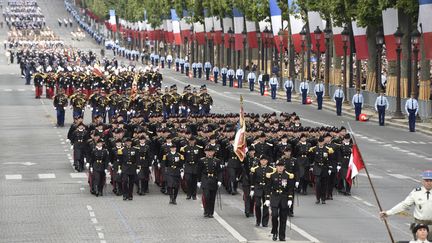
[280, 199]
[345, 150]
[210, 179]
[77, 103]
[99, 159]
[301, 153]
[167, 100]
[174, 172]
[233, 168]
[38, 81]
[207, 101]
[129, 157]
[291, 167]
[78, 140]
[259, 187]
[250, 162]
[319, 157]
[192, 154]
[144, 165]
[113, 104]
[116, 154]
[60, 102]
[421, 232]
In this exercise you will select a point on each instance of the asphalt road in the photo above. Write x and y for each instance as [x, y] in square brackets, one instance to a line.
[43, 200]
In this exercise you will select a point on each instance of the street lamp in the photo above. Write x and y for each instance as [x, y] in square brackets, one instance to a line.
[211, 47]
[398, 39]
[345, 35]
[266, 37]
[415, 38]
[328, 35]
[222, 53]
[244, 49]
[379, 40]
[281, 50]
[317, 36]
[303, 38]
[192, 44]
[231, 37]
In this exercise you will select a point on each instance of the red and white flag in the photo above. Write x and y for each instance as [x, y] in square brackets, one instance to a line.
[276, 21]
[297, 24]
[338, 43]
[355, 164]
[390, 24]
[112, 20]
[425, 25]
[176, 27]
[227, 24]
[263, 24]
[217, 27]
[314, 21]
[238, 29]
[150, 32]
[208, 24]
[251, 34]
[185, 27]
[240, 146]
[199, 33]
[360, 40]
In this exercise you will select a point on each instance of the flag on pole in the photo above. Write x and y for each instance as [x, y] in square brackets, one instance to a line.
[240, 147]
[276, 21]
[425, 26]
[217, 30]
[112, 20]
[176, 27]
[338, 43]
[314, 21]
[208, 24]
[251, 34]
[390, 24]
[355, 164]
[199, 33]
[238, 29]
[227, 24]
[360, 40]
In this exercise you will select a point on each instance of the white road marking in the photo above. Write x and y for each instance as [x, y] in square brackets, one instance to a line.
[98, 228]
[403, 177]
[401, 141]
[429, 159]
[229, 228]
[422, 142]
[395, 148]
[304, 233]
[414, 142]
[62, 142]
[363, 201]
[78, 175]
[47, 176]
[387, 145]
[100, 235]
[94, 220]
[7, 90]
[13, 177]
[21, 90]
[371, 140]
[371, 175]
[410, 153]
[92, 214]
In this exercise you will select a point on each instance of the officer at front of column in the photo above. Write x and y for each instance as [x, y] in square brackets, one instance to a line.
[381, 105]
[319, 91]
[288, 86]
[338, 98]
[421, 199]
[411, 109]
[304, 90]
[357, 102]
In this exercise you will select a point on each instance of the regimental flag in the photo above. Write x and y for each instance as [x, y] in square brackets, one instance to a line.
[185, 27]
[112, 20]
[227, 24]
[390, 24]
[176, 27]
[240, 146]
[314, 21]
[355, 164]
[217, 27]
[238, 29]
[251, 34]
[199, 33]
[276, 21]
[338, 43]
[97, 70]
[425, 25]
[360, 40]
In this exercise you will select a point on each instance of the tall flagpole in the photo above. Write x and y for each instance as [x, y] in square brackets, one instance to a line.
[372, 186]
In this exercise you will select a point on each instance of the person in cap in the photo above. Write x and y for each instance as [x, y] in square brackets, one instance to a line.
[128, 168]
[280, 196]
[338, 98]
[192, 153]
[291, 166]
[207, 68]
[421, 232]
[250, 162]
[421, 198]
[209, 179]
[342, 166]
[60, 102]
[301, 151]
[174, 172]
[99, 160]
[411, 109]
[381, 105]
[259, 185]
[143, 165]
[357, 103]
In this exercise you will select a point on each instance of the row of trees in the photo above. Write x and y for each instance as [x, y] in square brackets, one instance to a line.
[368, 13]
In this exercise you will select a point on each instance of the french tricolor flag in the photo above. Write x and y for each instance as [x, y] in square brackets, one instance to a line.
[314, 21]
[151, 32]
[176, 27]
[297, 25]
[425, 24]
[208, 24]
[360, 40]
[251, 34]
[185, 27]
[238, 29]
[338, 42]
[112, 20]
[199, 33]
[227, 24]
[217, 27]
[276, 20]
[390, 24]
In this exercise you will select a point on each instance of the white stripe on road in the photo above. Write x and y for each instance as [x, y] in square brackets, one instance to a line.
[47, 176]
[371, 175]
[92, 214]
[422, 142]
[89, 207]
[403, 177]
[94, 220]
[13, 177]
[78, 175]
[100, 235]
[363, 201]
[304, 233]
[229, 228]
[401, 141]
[21, 90]
[7, 90]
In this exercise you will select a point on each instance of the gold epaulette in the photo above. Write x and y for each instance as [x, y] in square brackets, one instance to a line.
[164, 157]
[290, 175]
[330, 150]
[312, 148]
[253, 169]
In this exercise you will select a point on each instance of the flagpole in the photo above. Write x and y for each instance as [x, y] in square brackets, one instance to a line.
[372, 186]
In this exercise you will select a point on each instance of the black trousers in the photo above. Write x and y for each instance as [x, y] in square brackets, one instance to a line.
[261, 218]
[279, 219]
[248, 201]
[232, 179]
[209, 199]
[381, 114]
[331, 184]
[99, 179]
[191, 182]
[321, 183]
[128, 183]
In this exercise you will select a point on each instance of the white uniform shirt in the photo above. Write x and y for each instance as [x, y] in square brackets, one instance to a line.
[231, 72]
[304, 85]
[252, 76]
[215, 69]
[224, 70]
[169, 58]
[274, 81]
[288, 85]
[338, 94]
[357, 98]
[207, 65]
[411, 104]
[319, 87]
[381, 101]
[239, 73]
[417, 198]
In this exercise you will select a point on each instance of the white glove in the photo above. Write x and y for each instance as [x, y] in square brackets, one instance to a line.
[70, 107]
[289, 203]
[54, 108]
[137, 171]
[91, 108]
[159, 165]
[128, 113]
[88, 106]
[182, 174]
[329, 171]
[297, 184]
[67, 141]
[251, 194]
[106, 171]
[219, 183]
[311, 169]
[267, 203]
[91, 169]
[338, 168]
[119, 172]
[110, 164]
[198, 184]
[211, 107]
[107, 108]
[150, 168]
[71, 146]
[87, 165]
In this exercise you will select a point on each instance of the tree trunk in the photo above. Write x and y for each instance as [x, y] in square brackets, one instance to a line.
[405, 23]
[425, 77]
[371, 72]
